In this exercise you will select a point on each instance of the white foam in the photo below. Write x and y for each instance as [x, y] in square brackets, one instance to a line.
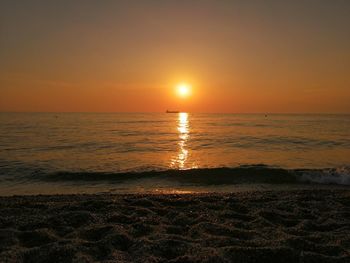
[339, 176]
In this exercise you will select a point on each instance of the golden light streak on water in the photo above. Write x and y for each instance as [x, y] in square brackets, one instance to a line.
[184, 130]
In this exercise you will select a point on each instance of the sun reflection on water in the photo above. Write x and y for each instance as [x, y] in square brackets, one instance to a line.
[183, 128]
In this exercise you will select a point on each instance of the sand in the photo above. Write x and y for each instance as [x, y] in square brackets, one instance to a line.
[264, 226]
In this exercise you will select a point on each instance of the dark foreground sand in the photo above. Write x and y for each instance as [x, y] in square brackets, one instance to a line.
[275, 226]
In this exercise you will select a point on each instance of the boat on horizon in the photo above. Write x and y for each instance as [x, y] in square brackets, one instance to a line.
[172, 111]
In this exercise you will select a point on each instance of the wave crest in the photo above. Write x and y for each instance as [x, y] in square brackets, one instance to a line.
[256, 174]
[339, 176]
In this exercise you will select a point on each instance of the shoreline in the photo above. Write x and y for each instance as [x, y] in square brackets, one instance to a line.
[305, 225]
[148, 187]
[220, 179]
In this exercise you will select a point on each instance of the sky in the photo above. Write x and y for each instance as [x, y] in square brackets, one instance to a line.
[128, 56]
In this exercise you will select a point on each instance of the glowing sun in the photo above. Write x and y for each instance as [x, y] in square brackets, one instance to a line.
[183, 90]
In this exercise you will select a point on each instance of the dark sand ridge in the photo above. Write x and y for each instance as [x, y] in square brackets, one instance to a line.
[264, 226]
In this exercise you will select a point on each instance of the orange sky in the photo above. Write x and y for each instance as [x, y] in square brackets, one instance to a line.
[239, 56]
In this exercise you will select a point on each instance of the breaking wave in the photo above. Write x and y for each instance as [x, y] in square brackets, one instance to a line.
[252, 174]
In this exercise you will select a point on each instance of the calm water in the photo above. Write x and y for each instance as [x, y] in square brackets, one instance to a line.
[39, 145]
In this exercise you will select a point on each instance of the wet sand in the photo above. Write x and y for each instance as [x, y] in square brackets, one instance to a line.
[262, 226]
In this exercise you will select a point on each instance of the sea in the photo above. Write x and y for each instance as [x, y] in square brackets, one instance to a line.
[57, 153]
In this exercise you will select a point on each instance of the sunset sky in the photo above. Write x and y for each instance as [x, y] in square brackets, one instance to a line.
[128, 56]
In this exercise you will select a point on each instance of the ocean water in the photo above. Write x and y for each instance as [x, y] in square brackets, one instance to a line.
[82, 152]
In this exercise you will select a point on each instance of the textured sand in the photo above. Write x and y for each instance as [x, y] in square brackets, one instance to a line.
[289, 226]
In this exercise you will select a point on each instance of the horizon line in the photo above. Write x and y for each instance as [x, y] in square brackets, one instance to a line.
[128, 112]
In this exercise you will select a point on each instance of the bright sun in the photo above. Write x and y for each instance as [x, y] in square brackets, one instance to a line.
[183, 90]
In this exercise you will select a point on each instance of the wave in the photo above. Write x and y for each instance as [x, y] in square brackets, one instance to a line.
[245, 174]
[326, 176]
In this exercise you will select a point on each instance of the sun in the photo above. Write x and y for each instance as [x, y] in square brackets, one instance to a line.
[183, 90]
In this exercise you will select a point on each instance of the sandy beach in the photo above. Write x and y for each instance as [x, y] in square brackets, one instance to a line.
[263, 226]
